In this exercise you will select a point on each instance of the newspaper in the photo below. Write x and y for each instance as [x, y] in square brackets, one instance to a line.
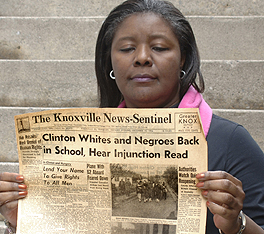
[109, 170]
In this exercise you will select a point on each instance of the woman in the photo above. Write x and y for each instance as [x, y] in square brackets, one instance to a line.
[146, 57]
[150, 50]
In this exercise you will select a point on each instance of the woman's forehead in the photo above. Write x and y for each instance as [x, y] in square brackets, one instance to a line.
[147, 22]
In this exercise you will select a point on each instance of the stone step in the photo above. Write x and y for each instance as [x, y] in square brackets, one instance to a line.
[94, 8]
[48, 83]
[234, 84]
[218, 38]
[252, 120]
[9, 167]
[48, 38]
[229, 84]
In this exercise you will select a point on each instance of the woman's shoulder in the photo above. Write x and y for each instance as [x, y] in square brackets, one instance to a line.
[229, 142]
[222, 123]
[221, 129]
[231, 147]
[226, 130]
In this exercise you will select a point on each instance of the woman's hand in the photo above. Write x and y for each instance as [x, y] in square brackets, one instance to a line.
[12, 188]
[225, 196]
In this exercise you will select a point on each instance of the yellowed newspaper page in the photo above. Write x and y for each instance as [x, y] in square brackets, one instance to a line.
[109, 170]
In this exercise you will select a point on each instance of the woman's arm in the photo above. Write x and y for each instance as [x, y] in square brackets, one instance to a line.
[12, 188]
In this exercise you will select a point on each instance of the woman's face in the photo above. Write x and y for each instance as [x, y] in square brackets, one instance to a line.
[147, 61]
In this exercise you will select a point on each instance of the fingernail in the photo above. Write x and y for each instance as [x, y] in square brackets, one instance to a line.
[200, 176]
[208, 203]
[200, 184]
[205, 193]
[23, 193]
[22, 186]
[20, 178]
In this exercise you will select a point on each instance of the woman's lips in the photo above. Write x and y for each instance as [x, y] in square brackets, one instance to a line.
[143, 78]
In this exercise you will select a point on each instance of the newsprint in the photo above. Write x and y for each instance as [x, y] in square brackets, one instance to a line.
[110, 170]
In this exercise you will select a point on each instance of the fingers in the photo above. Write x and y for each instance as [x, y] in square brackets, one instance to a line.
[223, 200]
[221, 185]
[11, 177]
[223, 192]
[218, 175]
[11, 187]
[11, 182]
[225, 196]
[222, 189]
[7, 197]
[222, 210]
[220, 181]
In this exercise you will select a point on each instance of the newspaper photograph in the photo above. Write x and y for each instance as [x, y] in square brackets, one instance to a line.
[111, 170]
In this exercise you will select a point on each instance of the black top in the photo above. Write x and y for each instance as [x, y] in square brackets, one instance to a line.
[232, 149]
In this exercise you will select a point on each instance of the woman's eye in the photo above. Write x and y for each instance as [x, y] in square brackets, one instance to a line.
[127, 49]
[159, 49]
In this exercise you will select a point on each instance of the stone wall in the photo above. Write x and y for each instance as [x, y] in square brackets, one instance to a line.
[47, 59]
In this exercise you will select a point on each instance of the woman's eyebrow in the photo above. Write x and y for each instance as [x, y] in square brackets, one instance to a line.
[158, 36]
[126, 38]
[152, 36]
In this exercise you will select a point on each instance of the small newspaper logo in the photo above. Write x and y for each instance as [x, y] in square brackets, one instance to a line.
[187, 122]
[23, 125]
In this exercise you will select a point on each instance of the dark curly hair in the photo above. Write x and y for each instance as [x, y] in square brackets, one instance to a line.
[110, 96]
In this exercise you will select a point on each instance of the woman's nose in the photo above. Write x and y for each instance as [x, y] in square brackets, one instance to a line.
[143, 56]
